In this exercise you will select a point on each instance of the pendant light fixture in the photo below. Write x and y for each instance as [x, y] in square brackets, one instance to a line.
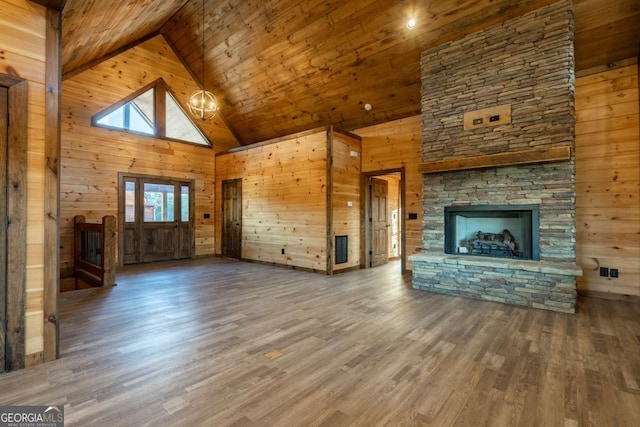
[202, 103]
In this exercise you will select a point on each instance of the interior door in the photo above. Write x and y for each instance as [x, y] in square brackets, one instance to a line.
[4, 105]
[232, 218]
[158, 220]
[379, 221]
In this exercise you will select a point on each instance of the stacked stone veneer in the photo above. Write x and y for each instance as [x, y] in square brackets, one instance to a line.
[526, 62]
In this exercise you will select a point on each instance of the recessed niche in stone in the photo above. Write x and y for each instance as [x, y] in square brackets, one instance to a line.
[504, 231]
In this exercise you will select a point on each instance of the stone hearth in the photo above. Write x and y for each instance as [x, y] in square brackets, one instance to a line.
[536, 284]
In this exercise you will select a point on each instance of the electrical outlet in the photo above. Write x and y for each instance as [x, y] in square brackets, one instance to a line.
[282, 251]
[604, 272]
[613, 272]
[492, 116]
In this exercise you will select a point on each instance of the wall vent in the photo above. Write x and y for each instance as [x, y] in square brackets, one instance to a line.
[342, 249]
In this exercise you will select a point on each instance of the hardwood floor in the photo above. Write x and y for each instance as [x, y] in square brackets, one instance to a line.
[214, 342]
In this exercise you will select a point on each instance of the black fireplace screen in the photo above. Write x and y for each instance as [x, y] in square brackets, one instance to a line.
[505, 231]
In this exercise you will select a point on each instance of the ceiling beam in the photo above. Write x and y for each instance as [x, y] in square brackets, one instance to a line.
[51, 4]
[110, 55]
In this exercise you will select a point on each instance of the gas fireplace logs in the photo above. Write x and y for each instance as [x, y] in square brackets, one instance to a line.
[493, 244]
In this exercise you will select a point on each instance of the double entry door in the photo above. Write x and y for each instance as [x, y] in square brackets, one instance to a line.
[156, 219]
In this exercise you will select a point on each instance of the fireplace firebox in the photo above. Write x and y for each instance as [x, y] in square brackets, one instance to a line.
[504, 231]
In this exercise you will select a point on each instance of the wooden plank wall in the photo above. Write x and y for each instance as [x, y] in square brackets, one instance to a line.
[92, 156]
[284, 200]
[607, 186]
[23, 30]
[607, 180]
[346, 188]
[395, 145]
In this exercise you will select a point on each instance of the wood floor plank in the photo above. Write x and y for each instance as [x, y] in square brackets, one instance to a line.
[220, 342]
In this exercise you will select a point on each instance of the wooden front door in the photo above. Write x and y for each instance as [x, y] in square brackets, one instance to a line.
[379, 221]
[4, 125]
[157, 217]
[232, 218]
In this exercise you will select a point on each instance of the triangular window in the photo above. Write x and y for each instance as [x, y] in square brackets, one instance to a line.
[180, 126]
[142, 113]
[136, 115]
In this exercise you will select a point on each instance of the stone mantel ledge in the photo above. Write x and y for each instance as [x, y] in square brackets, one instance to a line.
[545, 267]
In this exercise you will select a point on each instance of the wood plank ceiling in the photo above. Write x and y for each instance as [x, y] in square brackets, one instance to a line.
[282, 66]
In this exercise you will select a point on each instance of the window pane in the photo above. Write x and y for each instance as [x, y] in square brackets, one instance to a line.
[138, 123]
[145, 105]
[184, 203]
[158, 202]
[179, 125]
[136, 115]
[115, 119]
[129, 201]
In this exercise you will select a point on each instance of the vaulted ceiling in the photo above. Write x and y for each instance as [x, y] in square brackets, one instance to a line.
[282, 66]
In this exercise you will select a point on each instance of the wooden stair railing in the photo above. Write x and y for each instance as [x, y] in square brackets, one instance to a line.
[95, 251]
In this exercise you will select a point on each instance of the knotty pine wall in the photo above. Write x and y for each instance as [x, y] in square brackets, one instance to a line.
[607, 180]
[345, 172]
[284, 200]
[93, 156]
[396, 145]
[22, 54]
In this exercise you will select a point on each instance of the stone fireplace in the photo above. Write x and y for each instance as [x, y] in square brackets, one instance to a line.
[524, 68]
[502, 231]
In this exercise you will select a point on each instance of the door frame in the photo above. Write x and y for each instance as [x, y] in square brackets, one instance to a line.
[121, 209]
[13, 289]
[365, 213]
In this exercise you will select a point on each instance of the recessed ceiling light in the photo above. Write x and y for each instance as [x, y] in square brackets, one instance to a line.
[411, 23]
[367, 107]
